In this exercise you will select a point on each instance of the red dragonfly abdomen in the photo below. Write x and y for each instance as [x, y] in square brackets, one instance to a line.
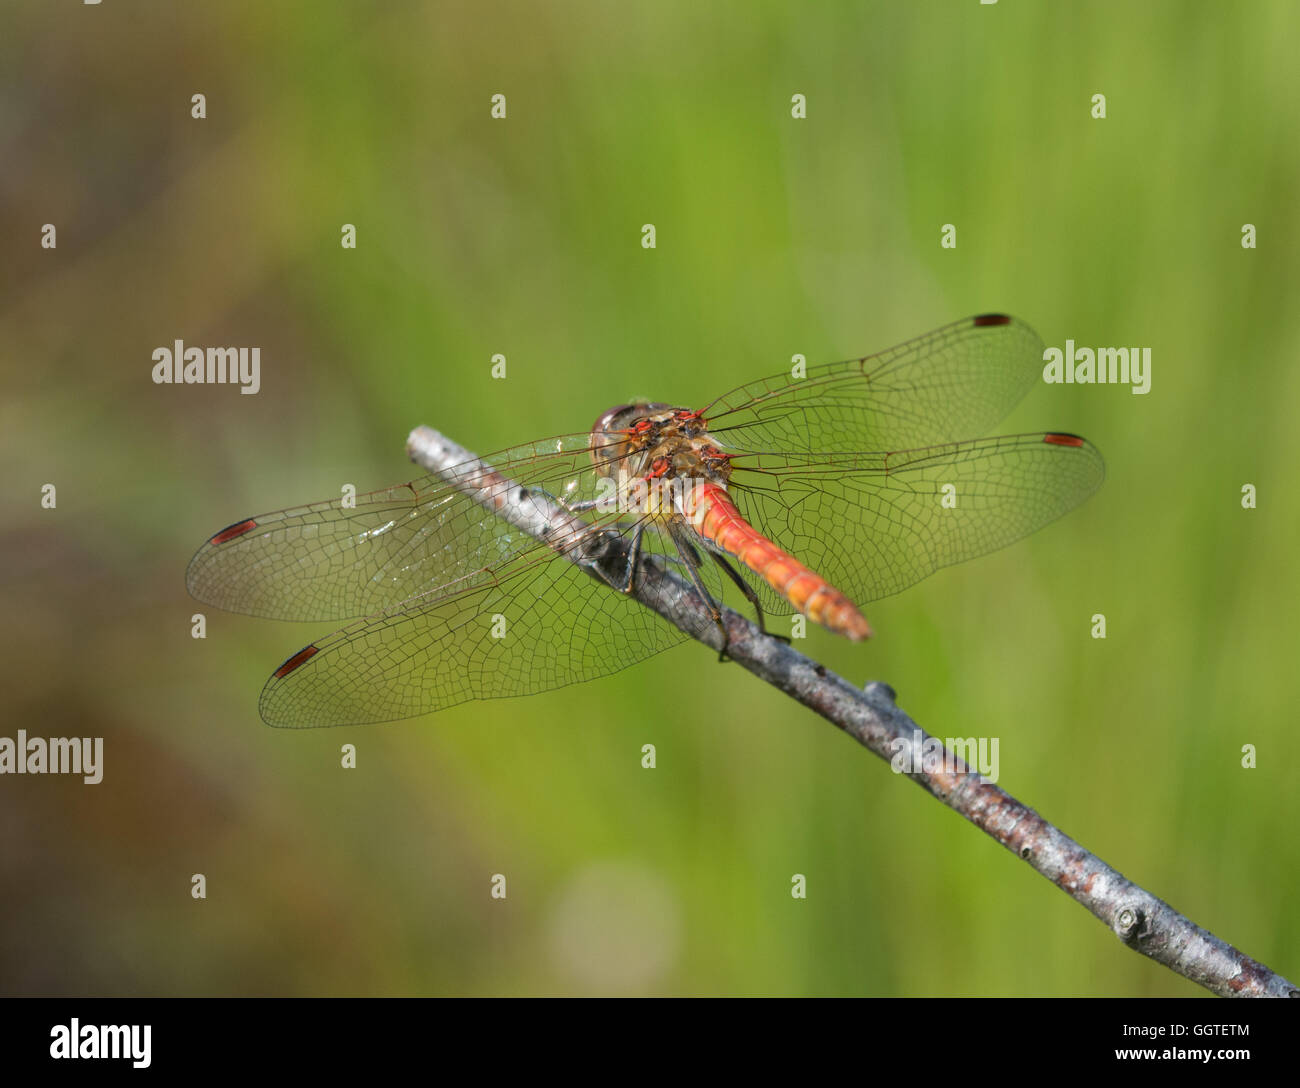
[716, 518]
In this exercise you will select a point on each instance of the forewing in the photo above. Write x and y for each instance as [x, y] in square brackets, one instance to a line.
[330, 562]
[945, 386]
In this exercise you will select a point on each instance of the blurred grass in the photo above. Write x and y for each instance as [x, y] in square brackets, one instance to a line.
[522, 237]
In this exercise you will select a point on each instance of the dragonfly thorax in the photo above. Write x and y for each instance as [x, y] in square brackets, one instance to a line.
[656, 441]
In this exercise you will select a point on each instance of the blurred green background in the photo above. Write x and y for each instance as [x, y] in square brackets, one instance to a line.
[522, 236]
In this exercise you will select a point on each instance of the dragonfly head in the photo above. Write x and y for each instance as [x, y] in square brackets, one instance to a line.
[610, 441]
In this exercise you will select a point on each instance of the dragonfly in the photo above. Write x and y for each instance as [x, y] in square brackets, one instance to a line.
[814, 492]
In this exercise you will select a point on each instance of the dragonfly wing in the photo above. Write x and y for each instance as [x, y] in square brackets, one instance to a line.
[537, 625]
[954, 382]
[330, 562]
[874, 524]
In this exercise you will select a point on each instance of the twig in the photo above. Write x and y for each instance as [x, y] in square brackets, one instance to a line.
[872, 718]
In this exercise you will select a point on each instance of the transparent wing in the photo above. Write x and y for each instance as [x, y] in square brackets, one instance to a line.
[950, 384]
[329, 562]
[533, 626]
[874, 524]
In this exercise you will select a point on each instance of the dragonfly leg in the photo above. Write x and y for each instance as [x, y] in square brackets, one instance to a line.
[750, 595]
[691, 561]
[633, 559]
[627, 583]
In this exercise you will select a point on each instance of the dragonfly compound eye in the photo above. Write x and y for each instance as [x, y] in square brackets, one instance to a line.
[624, 417]
[618, 418]
[608, 438]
